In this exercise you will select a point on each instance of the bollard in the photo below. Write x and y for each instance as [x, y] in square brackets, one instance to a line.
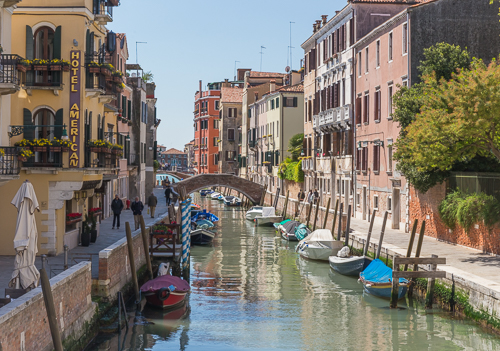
[44, 261]
[66, 248]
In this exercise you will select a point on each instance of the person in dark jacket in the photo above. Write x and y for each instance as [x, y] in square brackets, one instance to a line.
[168, 193]
[152, 202]
[137, 207]
[116, 207]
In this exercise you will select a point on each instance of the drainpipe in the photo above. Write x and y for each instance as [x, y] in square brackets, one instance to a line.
[407, 219]
[353, 123]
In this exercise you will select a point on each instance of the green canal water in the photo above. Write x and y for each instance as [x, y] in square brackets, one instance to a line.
[250, 291]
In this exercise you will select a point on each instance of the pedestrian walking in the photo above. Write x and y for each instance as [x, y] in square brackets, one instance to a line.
[310, 196]
[116, 207]
[152, 202]
[137, 207]
[168, 194]
[316, 196]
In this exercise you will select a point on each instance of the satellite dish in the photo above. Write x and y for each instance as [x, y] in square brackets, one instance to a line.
[287, 69]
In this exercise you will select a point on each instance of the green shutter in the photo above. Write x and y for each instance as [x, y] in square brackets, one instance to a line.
[129, 110]
[57, 43]
[294, 102]
[277, 102]
[58, 122]
[29, 43]
[29, 133]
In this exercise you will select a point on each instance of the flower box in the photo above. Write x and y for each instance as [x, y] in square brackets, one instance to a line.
[130, 123]
[73, 221]
[124, 120]
[117, 79]
[21, 68]
[106, 150]
[40, 67]
[22, 158]
[39, 148]
[65, 68]
[55, 148]
[95, 149]
[55, 67]
[105, 71]
[64, 149]
[94, 69]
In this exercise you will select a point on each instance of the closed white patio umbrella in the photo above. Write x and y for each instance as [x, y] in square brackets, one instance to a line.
[25, 274]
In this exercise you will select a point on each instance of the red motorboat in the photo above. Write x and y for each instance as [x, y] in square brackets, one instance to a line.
[166, 291]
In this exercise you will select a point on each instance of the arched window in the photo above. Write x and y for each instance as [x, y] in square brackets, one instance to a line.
[44, 43]
[45, 119]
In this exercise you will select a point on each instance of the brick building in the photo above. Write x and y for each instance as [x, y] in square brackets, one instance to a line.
[230, 128]
[206, 128]
[175, 159]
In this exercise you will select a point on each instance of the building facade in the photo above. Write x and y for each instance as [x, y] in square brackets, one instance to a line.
[176, 160]
[206, 129]
[189, 151]
[230, 128]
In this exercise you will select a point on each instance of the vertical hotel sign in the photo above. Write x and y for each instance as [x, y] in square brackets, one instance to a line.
[75, 108]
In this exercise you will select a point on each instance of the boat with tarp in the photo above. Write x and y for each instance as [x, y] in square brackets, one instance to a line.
[377, 280]
[319, 245]
[165, 291]
[268, 217]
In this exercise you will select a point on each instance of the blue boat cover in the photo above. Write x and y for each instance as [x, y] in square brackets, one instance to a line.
[301, 232]
[205, 215]
[378, 272]
[204, 224]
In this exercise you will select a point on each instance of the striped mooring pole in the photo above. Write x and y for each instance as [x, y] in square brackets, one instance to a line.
[186, 236]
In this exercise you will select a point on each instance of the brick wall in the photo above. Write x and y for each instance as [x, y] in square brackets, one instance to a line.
[114, 265]
[425, 207]
[24, 324]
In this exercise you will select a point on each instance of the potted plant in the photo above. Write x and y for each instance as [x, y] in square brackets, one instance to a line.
[73, 218]
[117, 149]
[107, 69]
[120, 87]
[65, 144]
[94, 67]
[99, 146]
[24, 143]
[129, 123]
[93, 227]
[118, 76]
[23, 155]
[85, 239]
[22, 65]
[124, 120]
[40, 145]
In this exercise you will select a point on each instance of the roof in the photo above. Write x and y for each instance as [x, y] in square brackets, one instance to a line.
[411, 2]
[255, 74]
[231, 95]
[173, 151]
[190, 143]
[297, 88]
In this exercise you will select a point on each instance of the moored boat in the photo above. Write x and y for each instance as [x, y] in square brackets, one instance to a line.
[232, 201]
[287, 230]
[319, 245]
[214, 195]
[165, 291]
[206, 192]
[254, 212]
[202, 237]
[205, 215]
[352, 265]
[268, 217]
[377, 280]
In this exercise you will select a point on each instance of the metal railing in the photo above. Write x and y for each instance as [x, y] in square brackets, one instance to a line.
[44, 159]
[103, 160]
[102, 9]
[8, 161]
[8, 69]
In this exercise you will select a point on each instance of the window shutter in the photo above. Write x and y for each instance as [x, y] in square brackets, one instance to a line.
[57, 43]
[129, 110]
[376, 106]
[358, 160]
[29, 133]
[335, 96]
[352, 32]
[29, 43]
[365, 159]
[379, 104]
[358, 110]
[58, 122]
[295, 102]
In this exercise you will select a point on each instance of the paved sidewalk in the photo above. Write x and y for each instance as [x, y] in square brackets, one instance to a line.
[106, 238]
[467, 263]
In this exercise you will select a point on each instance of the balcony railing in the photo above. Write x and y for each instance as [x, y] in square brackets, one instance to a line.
[101, 159]
[44, 157]
[9, 75]
[8, 161]
[332, 116]
[103, 13]
[308, 164]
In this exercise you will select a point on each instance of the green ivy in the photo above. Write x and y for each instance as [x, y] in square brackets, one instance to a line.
[467, 209]
[291, 171]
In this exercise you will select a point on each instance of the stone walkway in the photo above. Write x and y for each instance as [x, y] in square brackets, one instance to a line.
[106, 238]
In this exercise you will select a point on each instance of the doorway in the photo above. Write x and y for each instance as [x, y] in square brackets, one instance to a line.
[396, 208]
[365, 203]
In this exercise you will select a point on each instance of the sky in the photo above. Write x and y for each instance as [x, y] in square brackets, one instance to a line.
[189, 41]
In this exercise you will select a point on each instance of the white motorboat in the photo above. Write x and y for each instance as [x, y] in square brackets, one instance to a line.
[319, 245]
[214, 196]
[268, 217]
[232, 201]
[254, 212]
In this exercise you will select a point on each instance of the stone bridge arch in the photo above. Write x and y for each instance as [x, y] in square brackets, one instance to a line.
[251, 190]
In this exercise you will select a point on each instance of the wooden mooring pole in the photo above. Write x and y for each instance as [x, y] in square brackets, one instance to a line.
[145, 243]
[410, 243]
[51, 311]
[382, 232]
[417, 255]
[368, 237]
[339, 233]
[347, 227]
[131, 260]
[431, 282]
[285, 206]
[316, 215]
[327, 212]
[335, 216]
[309, 214]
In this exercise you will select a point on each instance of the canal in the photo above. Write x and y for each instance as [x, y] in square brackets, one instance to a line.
[251, 291]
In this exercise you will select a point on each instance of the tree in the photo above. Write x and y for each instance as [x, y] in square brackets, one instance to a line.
[459, 120]
[295, 145]
[148, 77]
[440, 62]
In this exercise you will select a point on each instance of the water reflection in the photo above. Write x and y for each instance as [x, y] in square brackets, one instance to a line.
[251, 291]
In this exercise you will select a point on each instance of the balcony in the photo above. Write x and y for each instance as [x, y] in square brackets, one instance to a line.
[308, 164]
[9, 166]
[343, 164]
[43, 77]
[103, 13]
[252, 143]
[100, 159]
[10, 81]
[44, 157]
[9, 3]
[338, 117]
[324, 165]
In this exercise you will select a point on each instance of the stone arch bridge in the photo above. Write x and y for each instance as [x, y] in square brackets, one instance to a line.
[251, 190]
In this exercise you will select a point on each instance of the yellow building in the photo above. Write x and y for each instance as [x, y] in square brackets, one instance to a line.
[59, 98]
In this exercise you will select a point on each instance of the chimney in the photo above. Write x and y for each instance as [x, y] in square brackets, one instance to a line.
[336, 12]
[314, 28]
[256, 95]
[272, 85]
[200, 89]
[318, 24]
[323, 18]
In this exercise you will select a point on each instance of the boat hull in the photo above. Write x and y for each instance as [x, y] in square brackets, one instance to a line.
[351, 266]
[383, 289]
[316, 252]
[202, 237]
[268, 221]
[288, 236]
[175, 299]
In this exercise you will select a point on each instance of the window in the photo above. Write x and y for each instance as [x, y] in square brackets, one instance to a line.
[389, 203]
[272, 104]
[389, 156]
[358, 199]
[366, 60]
[44, 49]
[216, 105]
[405, 38]
[375, 202]
[230, 134]
[277, 102]
[343, 92]
[378, 106]
[290, 102]
[364, 165]
[389, 102]
[405, 82]
[277, 129]
[390, 46]
[215, 141]
[359, 64]
[216, 124]
[366, 111]
[378, 53]
[338, 186]
[376, 159]
[230, 155]
[231, 112]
